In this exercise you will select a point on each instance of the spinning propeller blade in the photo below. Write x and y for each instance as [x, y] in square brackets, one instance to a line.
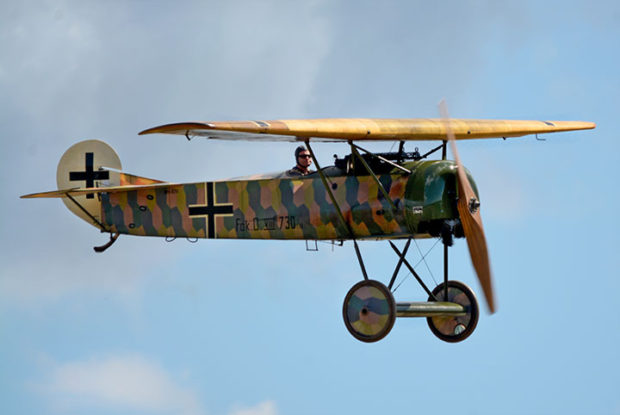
[469, 211]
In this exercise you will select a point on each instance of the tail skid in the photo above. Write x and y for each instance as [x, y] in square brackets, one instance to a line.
[113, 238]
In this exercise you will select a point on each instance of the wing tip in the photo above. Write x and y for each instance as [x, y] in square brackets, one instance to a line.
[177, 128]
[571, 125]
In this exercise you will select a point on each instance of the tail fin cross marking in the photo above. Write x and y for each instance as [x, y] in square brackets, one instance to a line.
[89, 175]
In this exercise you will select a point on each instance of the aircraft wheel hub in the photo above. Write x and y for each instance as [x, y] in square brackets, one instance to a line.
[454, 329]
[369, 311]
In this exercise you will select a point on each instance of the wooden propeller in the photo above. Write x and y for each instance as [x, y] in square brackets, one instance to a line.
[468, 206]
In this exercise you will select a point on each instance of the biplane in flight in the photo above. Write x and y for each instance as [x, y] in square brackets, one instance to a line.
[363, 196]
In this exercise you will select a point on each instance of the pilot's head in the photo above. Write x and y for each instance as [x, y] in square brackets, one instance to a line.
[302, 156]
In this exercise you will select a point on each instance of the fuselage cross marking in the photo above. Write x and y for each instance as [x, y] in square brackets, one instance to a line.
[211, 209]
[90, 175]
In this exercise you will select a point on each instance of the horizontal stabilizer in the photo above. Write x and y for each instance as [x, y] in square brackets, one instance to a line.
[127, 179]
[50, 194]
[90, 190]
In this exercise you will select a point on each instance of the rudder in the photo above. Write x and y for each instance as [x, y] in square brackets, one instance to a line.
[90, 163]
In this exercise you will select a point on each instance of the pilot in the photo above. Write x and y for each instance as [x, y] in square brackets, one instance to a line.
[304, 160]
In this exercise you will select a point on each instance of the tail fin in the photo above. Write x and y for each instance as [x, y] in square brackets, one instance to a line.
[90, 163]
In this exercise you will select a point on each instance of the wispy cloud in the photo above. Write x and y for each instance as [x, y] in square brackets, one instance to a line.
[120, 382]
[129, 382]
[263, 408]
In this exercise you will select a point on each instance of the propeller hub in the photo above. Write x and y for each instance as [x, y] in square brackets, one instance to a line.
[473, 205]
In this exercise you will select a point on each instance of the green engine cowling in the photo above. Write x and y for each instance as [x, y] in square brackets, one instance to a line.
[431, 196]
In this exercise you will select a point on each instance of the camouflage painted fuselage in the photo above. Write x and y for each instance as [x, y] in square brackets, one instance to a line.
[290, 208]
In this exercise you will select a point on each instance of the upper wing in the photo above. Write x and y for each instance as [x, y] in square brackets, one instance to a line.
[365, 129]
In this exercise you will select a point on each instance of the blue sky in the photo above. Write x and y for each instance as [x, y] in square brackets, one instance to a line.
[255, 328]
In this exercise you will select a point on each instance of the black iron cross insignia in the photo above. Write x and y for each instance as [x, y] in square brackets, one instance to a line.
[90, 175]
[211, 209]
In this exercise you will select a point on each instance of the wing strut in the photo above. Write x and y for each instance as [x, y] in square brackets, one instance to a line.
[337, 206]
[374, 176]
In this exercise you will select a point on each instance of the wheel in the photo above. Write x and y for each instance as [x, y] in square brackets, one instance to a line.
[454, 329]
[369, 311]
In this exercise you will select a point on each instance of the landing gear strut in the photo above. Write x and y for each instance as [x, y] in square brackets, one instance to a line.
[369, 309]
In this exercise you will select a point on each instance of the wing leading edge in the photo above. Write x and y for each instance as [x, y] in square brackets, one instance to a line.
[365, 129]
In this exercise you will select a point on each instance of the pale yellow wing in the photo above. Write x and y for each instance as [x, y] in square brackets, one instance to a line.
[365, 129]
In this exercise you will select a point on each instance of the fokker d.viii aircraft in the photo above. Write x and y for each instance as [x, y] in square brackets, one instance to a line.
[378, 196]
